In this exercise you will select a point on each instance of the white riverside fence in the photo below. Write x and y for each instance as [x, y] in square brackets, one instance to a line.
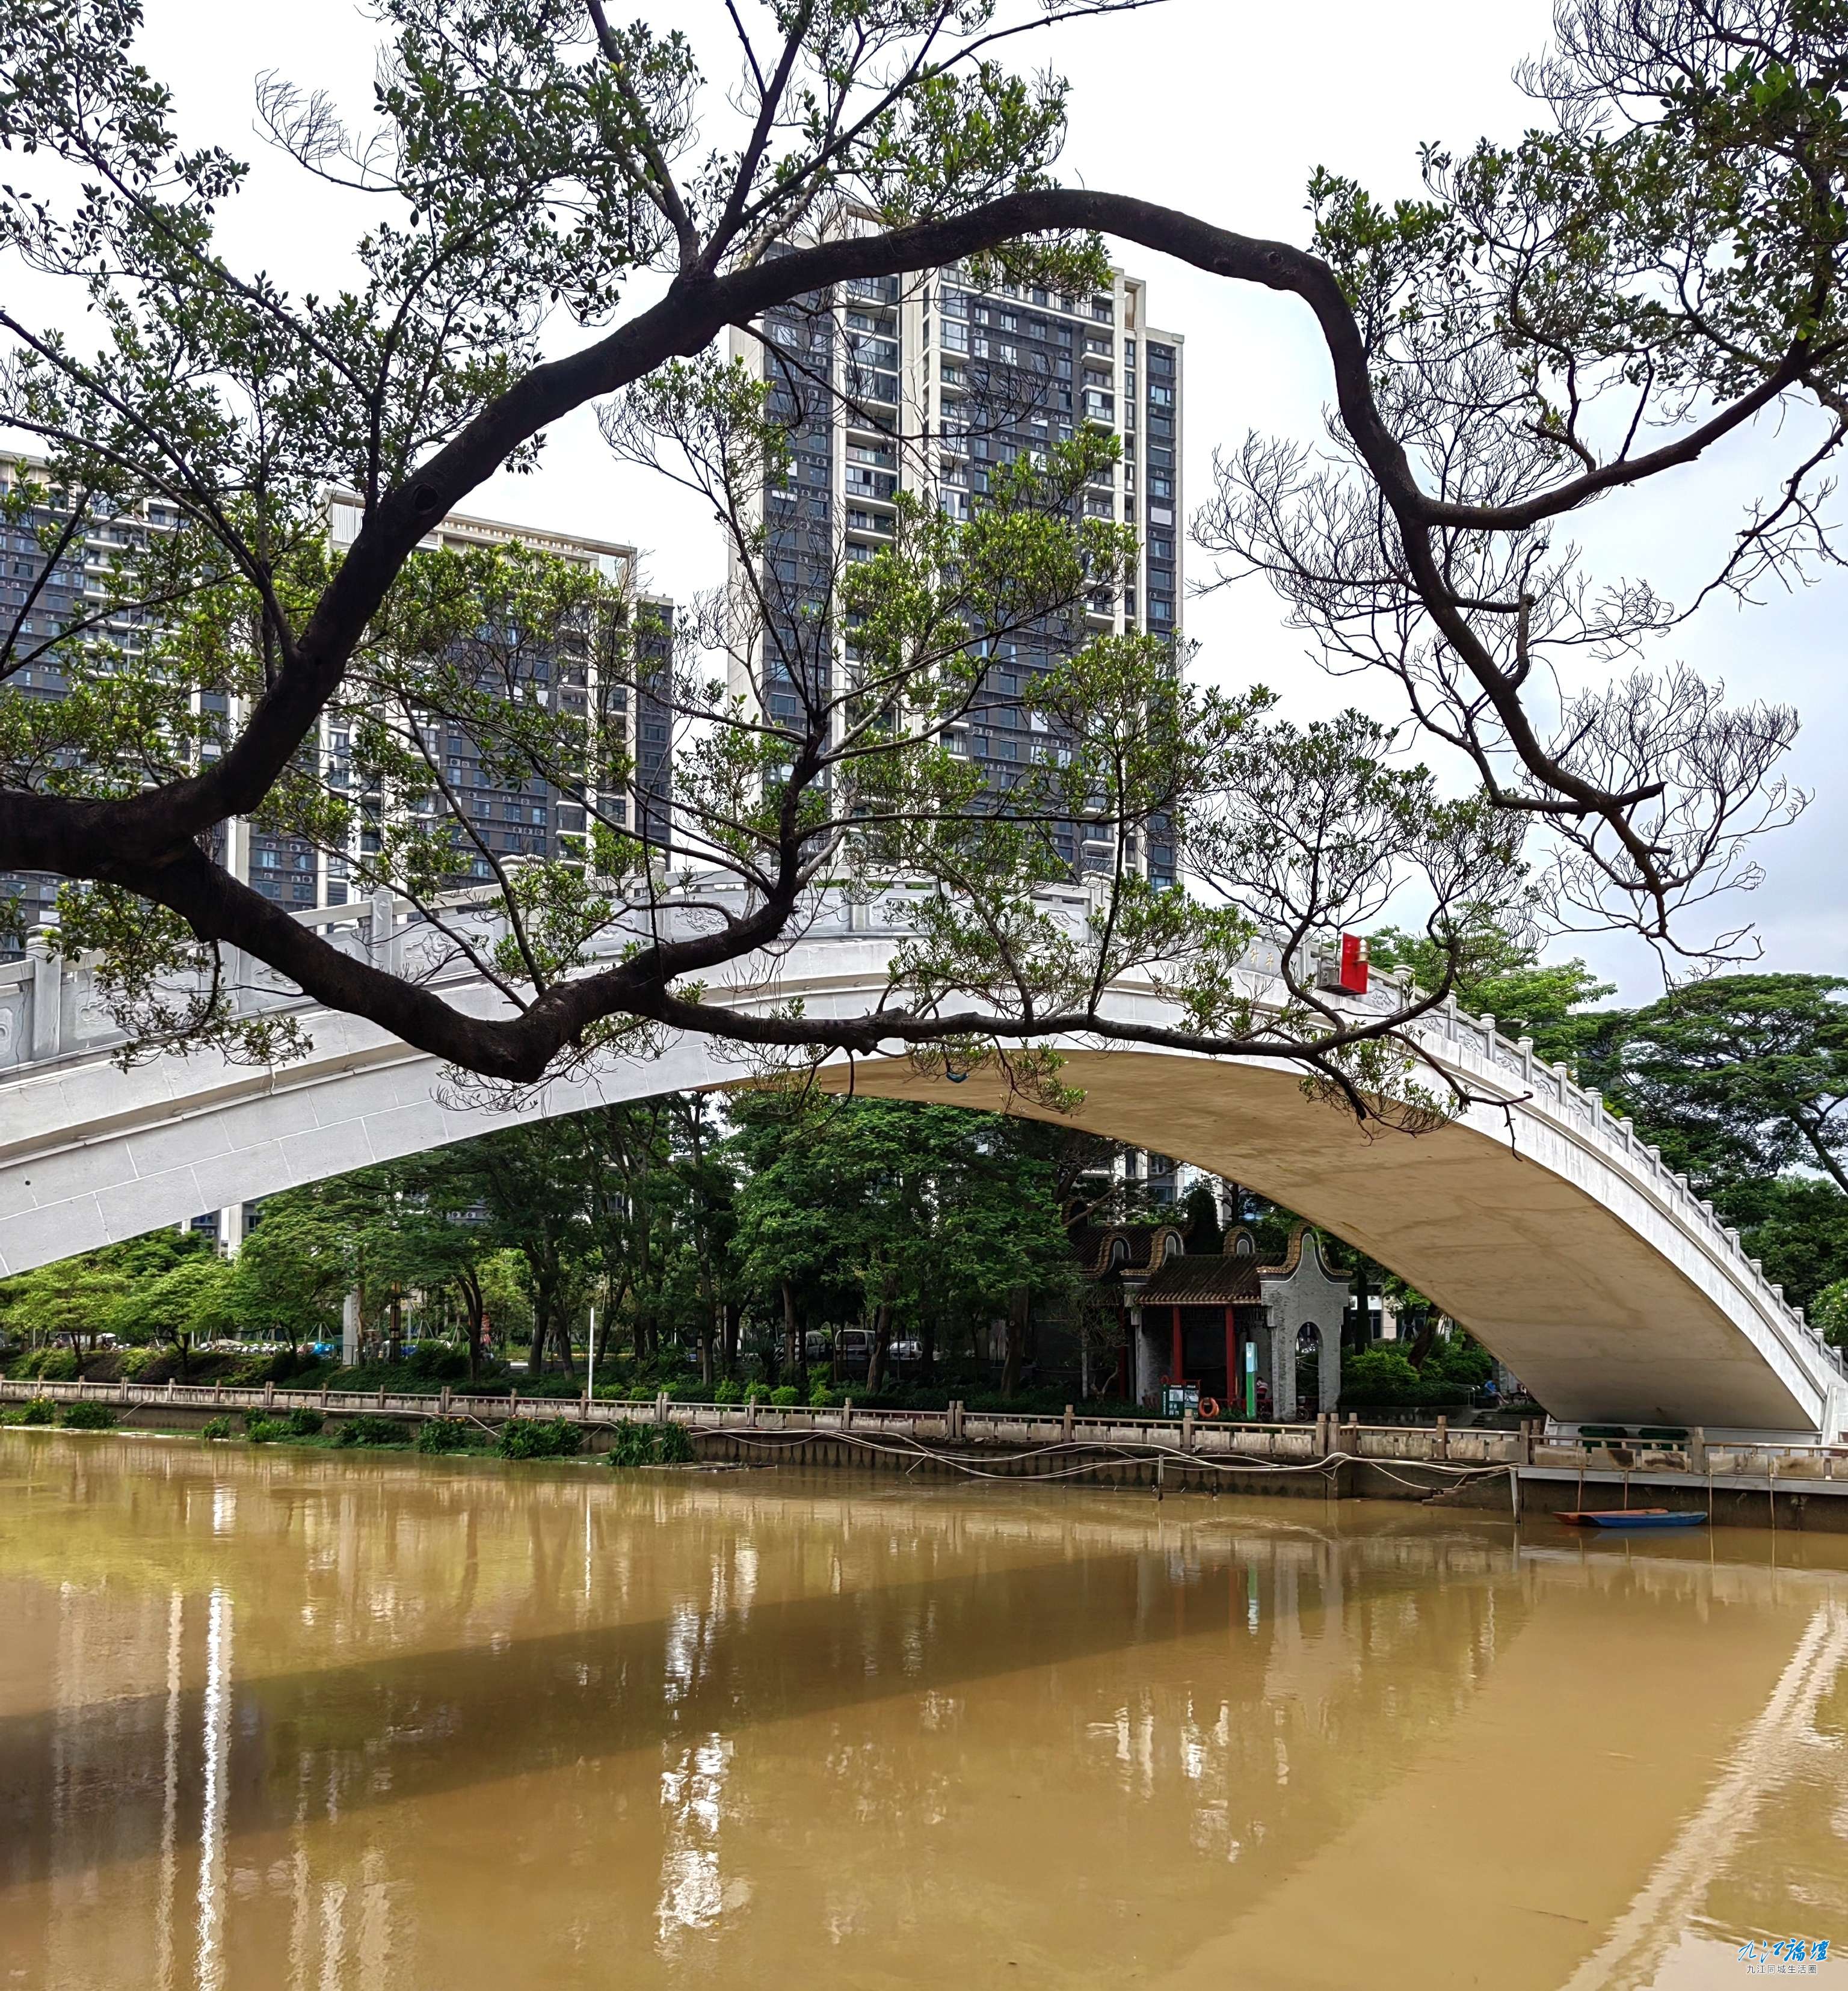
[1325, 1442]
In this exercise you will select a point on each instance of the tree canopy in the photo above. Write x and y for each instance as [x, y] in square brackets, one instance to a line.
[1738, 1078]
[1556, 322]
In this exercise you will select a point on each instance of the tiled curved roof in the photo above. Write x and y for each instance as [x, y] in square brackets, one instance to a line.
[1145, 1242]
[1203, 1281]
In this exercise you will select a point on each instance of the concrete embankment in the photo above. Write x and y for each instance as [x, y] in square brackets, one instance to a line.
[1521, 1471]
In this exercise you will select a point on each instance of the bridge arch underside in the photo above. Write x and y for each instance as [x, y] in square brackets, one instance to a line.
[1599, 1315]
[1596, 1299]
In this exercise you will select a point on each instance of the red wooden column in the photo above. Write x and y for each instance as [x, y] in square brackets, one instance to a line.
[1176, 1376]
[1231, 1361]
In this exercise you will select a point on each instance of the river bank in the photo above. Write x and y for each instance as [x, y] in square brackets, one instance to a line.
[1734, 1484]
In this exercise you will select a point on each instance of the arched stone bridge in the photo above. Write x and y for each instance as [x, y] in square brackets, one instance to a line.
[1543, 1225]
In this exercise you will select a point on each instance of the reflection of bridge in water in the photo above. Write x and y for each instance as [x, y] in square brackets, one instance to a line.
[1537, 1220]
[1243, 1745]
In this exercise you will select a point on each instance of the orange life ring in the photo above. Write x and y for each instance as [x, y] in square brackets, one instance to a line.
[1209, 1407]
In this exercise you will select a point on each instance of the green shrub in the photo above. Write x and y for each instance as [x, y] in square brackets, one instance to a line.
[651, 1445]
[36, 1410]
[632, 1443]
[784, 1395]
[444, 1435]
[90, 1416]
[260, 1429]
[48, 1365]
[370, 1431]
[728, 1392]
[216, 1427]
[1382, 1376]
[539, 1437]
[821, 1397]
[441, 1361]
[1460, 1361]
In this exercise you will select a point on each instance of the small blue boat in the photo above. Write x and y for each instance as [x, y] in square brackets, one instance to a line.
[1633, 1517]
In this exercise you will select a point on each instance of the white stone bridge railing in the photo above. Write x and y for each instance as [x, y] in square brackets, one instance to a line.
[1454, 1038]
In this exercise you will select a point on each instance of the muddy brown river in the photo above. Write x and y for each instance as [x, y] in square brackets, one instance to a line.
[285, 1719]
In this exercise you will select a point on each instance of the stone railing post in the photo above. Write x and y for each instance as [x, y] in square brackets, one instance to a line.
[1443, 1436]
[1066, 1432]
[1187, 1429]
[48, 997]
[382, 934]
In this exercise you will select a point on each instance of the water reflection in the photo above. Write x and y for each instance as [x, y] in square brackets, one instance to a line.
[362, 1724]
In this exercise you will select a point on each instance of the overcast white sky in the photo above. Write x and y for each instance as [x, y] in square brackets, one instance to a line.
[1224, 109]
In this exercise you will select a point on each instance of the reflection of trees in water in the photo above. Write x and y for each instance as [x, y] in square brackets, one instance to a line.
[895, 1697]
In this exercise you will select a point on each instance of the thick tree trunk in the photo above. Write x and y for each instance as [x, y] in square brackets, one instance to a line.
[728, 1339]
[876, 1362]
[473, 1310]
[1357, 1336]
[1019, 1304]
[542, 1335]
[792, 1330]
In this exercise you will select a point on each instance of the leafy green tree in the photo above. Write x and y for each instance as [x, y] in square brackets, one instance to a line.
[531, 1187]
[190, 1303]
[302, 1258]
[97, 1292]
[927, 1216]
[1200, 1212]
[1797, 1226]
[562, 212]
[1740, 1077]
[1830, 1312]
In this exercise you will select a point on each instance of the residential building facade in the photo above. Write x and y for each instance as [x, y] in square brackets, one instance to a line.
[929, 384]
[41, 596]
[48, 590]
